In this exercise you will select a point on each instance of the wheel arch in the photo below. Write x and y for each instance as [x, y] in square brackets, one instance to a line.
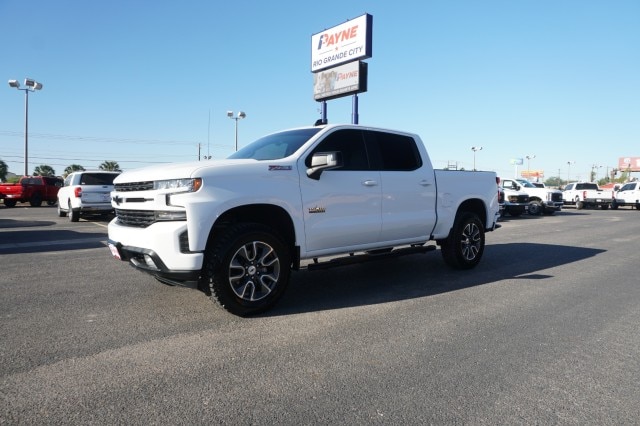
[275, 217]
[475, 206]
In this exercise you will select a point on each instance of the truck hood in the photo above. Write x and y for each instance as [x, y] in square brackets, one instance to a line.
[178, 170]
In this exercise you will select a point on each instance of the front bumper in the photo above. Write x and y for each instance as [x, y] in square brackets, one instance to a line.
[156, 250]
[553, 205]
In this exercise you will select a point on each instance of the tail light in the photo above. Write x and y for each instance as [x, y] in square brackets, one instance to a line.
[584, 194]
[77, 192]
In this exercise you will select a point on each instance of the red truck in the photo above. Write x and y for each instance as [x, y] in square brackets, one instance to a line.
[32, 189]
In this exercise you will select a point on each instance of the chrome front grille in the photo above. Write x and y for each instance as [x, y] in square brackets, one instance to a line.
[134, 186]
[137, 218]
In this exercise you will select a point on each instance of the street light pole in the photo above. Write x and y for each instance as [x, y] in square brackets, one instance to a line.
[238, 116]
[30, 86]
[475, 149]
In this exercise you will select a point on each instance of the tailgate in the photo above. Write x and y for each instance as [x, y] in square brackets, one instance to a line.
[96, 193]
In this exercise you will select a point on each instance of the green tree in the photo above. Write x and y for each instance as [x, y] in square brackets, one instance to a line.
[4, 169]
[72, 168]
[111, 166]
[44, 170]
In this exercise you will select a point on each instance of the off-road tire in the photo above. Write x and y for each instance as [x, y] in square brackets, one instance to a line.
[464, 246]
[246, 268]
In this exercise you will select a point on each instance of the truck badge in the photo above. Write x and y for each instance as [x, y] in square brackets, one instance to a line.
[317, 209]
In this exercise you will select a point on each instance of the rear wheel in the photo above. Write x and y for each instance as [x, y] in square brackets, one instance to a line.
[9, 203]
[36, 200]
[579, 205]
[61, 213]
[604, 207]
[246, 269]
[74, 215]
[464, 246]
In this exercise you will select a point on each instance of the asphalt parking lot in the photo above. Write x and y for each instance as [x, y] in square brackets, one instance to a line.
[543, 331]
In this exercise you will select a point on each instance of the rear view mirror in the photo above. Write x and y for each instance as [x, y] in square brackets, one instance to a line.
[322, 161]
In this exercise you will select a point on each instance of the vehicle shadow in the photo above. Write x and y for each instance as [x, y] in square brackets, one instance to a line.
[41, 241]
[419, 275]
[13, 223]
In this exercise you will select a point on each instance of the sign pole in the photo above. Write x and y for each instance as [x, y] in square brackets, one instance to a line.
[354, 112]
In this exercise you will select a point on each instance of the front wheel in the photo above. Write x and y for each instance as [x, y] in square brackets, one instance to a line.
[246, 269]
[464, 246]
[535, 208]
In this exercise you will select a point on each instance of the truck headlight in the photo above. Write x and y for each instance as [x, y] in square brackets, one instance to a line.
[171, 215]
[181, 185]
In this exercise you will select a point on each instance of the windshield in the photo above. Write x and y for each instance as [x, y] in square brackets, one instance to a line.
[526, 184]
[277, 145]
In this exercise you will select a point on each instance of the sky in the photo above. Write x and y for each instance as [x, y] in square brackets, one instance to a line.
[147, 82]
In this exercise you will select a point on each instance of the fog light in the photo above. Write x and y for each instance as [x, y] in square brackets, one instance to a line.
[149, 261]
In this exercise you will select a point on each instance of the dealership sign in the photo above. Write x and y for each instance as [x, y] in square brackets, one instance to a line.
[629, 163]
[341, 44]
[340, 81]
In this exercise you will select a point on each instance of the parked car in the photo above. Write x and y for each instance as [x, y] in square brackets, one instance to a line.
[541, 200]
[586, 194]
[627, 195]
[86, 193]
[32, 189]
[515, 202]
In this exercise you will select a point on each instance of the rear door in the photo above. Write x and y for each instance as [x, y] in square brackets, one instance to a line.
[408, 187]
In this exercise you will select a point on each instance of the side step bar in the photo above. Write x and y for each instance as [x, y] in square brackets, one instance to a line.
[366, 257]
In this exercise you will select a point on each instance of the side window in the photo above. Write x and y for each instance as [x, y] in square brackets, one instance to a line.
[394, 152]
[350, 143]
[67, 180]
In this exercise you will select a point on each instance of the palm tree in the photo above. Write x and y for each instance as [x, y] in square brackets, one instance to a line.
[112, 166]
[3, 171]
[44, 170]
[72, 168]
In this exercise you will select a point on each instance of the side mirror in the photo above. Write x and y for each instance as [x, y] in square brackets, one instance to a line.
[322, 161]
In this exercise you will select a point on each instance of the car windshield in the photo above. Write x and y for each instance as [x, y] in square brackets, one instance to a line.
[277, 145]
[526, 184]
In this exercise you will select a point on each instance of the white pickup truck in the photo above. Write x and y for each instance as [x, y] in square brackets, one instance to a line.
[586, 194]
[235, 228]
[541, 200]
[627, 195]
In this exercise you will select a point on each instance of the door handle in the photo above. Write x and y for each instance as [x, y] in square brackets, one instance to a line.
[425, 182]
[369, 182]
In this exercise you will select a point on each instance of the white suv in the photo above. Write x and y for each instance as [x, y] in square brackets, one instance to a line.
[85, 193]
[628, 195]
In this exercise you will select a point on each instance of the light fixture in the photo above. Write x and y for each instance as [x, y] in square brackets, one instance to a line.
[239, 116]
[30, 86]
